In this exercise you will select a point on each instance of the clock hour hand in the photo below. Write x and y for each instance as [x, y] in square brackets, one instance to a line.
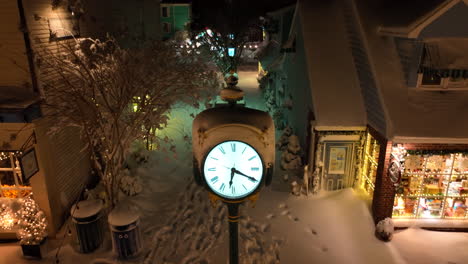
[232, 176]
[240, 173]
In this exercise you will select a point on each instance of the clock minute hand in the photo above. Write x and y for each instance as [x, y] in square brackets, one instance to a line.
[240, 173]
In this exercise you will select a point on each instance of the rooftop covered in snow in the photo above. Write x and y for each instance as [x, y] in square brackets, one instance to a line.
[335, 88]
[435, 116]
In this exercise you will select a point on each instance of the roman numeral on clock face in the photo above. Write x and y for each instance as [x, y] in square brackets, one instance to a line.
[214, 179]
[253, 157]
[233, 190]
[233, 147]
[222, 150]
[253, 168]
[211, 169]
[222, 187]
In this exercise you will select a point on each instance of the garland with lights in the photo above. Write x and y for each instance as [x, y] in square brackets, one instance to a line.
[436, 152]
[32, 223]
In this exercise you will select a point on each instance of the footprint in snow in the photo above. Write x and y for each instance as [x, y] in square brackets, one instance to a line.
[270, 216]
[293, 218]
[265, 228]
[311, 231]
[282, 205]
[285, 212]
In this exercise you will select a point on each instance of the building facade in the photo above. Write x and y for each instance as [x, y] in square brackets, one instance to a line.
[175, 19]
[386, 93]
[54, 168]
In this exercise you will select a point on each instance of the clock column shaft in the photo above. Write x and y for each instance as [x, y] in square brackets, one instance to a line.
[233, 217]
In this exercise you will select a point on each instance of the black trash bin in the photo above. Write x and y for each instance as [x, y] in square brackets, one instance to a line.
[125, 232]
[87, 219]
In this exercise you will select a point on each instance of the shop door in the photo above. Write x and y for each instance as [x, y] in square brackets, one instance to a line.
[337, 166]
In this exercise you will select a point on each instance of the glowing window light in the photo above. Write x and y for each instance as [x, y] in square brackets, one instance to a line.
[231, 52]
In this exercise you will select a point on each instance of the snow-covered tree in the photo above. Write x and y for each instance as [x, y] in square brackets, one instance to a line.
[116, 96]
[224, 50]
[223, 28]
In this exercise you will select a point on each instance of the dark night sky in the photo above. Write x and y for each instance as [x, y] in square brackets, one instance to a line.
[215, 12]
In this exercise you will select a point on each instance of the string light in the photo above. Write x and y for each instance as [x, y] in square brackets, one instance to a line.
[7, 218]
[32, 223]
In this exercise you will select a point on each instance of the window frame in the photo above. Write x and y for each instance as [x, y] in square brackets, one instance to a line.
[168, 27]
[445, 84]
[168, 11]
[14, 167]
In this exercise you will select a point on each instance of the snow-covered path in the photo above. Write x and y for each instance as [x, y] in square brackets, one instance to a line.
[179, 225]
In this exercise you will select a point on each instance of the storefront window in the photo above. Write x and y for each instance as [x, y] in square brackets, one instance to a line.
[433, 186]
[11, 182]
[369, 164]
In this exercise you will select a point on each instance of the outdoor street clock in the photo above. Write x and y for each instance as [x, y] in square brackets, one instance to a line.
[233, 170]
[233, 158]
[233, 151]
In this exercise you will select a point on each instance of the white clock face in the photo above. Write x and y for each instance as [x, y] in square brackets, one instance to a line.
[233, 169]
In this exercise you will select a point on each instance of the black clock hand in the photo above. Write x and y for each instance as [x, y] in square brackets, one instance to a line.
[240, 173]
[232, 176]
[223, 165]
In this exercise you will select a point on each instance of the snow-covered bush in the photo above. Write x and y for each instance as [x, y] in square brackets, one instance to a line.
[116, 96]
[283, 141]
[130, 185]
[295, 188]
[291, 156]
[316, 180]
[384, 229]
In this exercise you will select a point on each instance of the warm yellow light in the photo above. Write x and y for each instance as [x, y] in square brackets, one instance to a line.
[7, 221]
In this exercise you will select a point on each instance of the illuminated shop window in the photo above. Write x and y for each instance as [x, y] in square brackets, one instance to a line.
[433, 186]
[370, 164]
[11, 182]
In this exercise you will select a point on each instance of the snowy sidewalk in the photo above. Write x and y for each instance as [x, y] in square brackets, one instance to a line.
[180, 226]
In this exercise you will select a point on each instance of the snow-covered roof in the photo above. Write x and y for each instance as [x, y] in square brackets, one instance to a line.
[17, 97]
[335, 89]
[408, 18]
[412, 113]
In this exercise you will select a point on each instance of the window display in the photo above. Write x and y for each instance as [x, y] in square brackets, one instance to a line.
[433, 186]
[11, 182]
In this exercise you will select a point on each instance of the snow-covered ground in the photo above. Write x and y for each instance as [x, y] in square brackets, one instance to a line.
[179, 225]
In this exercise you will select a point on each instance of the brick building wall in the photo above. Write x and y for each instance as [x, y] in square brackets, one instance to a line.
[384, 193]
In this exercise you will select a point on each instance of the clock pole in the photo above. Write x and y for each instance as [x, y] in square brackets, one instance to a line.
[233, 218]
